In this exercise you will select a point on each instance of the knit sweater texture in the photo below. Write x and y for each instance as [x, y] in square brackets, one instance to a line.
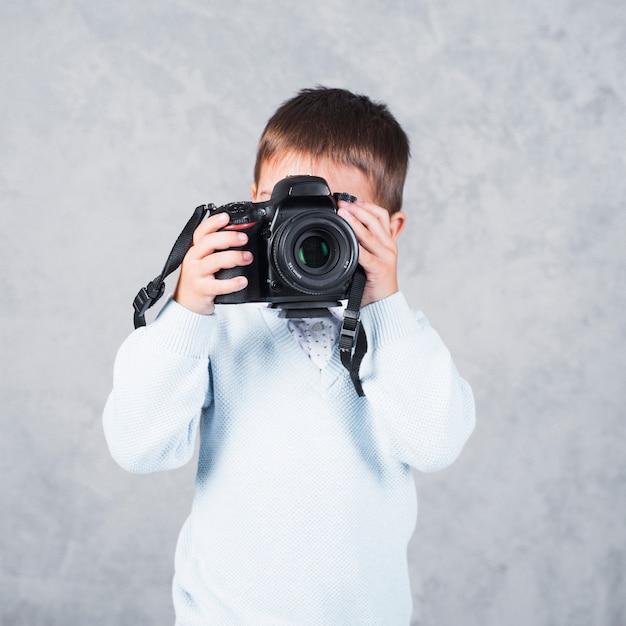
[304, 501]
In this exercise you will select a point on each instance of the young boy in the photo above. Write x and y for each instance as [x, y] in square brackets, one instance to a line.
[304, 499]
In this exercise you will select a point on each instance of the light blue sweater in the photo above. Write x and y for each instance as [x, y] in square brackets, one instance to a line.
[304, 499]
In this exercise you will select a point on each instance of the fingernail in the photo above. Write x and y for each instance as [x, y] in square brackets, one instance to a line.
[242, 237]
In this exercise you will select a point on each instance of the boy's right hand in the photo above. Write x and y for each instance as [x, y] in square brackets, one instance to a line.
[210, 251]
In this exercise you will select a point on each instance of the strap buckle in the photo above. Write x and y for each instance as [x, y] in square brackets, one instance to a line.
[147, 296]
[349, 330]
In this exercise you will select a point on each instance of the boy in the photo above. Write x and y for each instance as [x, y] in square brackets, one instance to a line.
[304, 500]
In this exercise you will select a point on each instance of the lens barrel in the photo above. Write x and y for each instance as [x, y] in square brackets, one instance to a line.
[315, 253]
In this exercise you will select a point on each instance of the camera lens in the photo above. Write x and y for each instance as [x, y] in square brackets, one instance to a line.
[314, 252]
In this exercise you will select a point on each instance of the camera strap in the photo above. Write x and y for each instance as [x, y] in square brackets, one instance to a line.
[149, 294]
[352, 339]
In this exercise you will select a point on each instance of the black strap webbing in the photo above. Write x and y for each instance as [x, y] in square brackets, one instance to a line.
[149, 294]
[352, 339]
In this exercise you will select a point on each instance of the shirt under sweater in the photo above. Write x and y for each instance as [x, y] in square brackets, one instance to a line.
[304, 500]
[317, 336]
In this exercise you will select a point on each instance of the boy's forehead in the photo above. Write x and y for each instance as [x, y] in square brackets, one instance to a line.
[340, 177]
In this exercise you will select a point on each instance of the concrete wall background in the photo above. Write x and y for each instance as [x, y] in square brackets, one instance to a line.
[116, 119]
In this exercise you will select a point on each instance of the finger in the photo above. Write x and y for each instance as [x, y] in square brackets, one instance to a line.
[206, 267]
[214, 241]
[211, 225]
[225, 260]
[222, 286]
[377, 211]
[367, 212]
[371, 229]
[210, 287]
[373, 217]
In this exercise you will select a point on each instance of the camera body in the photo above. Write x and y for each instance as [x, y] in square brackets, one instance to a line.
[305, 255]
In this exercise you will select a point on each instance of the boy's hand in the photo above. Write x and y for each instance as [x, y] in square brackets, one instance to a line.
[376, 232]
[211, 251]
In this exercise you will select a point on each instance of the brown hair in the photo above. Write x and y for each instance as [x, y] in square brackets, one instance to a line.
[347, 128]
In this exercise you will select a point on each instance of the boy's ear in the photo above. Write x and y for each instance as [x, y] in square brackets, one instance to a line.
[253, 190]
[397, 221]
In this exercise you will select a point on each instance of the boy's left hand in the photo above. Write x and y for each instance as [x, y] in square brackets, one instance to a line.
[376, 232]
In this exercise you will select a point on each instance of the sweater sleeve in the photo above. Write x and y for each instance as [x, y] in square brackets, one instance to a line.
[424, 406]
[160, 386]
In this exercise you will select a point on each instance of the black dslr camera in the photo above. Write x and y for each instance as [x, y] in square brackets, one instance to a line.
[305, 255]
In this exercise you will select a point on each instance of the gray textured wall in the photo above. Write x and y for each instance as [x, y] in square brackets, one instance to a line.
[116, 119]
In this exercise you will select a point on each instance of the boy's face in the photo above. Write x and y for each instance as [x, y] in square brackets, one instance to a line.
[340, 178]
